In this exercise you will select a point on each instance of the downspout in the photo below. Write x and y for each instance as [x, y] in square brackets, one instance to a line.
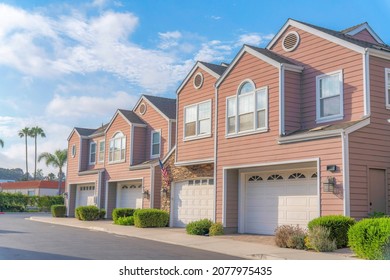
[366, 83]
[345, 155]
[215, 154]
[281, 100]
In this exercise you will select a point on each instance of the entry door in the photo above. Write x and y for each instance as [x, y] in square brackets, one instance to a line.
[377, 190]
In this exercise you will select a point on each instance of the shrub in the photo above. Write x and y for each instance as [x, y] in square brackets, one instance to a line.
[200, 227]
[150, 218]
[125, 221]
[319, 239]
[216, 229]
[376, 215]
[58, 210]
[288, 236]
[338, 226]
[102, 213]
[122, 212]
[44, 203]
[87, 213]
[370, 238]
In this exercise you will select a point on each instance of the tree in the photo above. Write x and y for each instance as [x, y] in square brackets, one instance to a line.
[40, 175]
[1, 143]
[57, 160]
[51, 176]
[35, 132]
[25, 132]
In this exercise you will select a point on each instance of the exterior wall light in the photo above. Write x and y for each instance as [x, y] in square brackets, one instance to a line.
[329, 184]
[146, 194]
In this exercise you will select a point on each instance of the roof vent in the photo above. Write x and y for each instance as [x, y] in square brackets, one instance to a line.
[198, 80]
[142, 108]
[290, 41]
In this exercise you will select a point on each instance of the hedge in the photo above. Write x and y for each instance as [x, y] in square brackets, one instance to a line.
[89, 213]
[338, 226]
[20, 202]
[125, 221]
[58, 210]
[200, 227]
[370, 238]
[122, 212]
[151, 218]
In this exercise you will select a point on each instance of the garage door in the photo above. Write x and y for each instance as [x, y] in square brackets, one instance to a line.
[85, 195]
[278, 199]
[192, 200]
[129, 195]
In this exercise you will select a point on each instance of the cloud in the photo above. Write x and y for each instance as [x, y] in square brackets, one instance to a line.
[253, 39]
[216, 17]
[91, 106]
[214, 50]
[169, 39]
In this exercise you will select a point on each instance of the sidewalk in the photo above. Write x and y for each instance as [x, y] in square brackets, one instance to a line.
[227, 244]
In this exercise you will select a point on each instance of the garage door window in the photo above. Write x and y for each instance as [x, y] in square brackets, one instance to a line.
[255, 178]
[296, 176]
[275, 177]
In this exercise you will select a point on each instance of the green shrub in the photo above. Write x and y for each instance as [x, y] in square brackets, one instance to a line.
[102, 213]
[370, 238]
[87, 213]
[44, 203]
[319, 239]
[288, 236]
[376, 215]
[122, 212]
[58, 210]
[216, 229]
[151, 218]
[200, 227]
[338, 226]
[125, 221]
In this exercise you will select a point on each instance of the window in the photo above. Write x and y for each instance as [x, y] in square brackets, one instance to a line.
[247, 111]
[197, 120]
[156, 140]
[387, 86]
[92, 153]
[117, 151]
[30, 193]
[330, 96]
[101, 150]
[73, 150]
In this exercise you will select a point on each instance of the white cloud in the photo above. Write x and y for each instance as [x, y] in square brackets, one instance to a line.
[215, 17]
[214, 51]
[253, 39]
[169, 39]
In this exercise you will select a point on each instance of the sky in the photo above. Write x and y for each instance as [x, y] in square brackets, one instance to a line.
[66, 64]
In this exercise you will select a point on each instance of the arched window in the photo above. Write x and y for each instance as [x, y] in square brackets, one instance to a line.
[275, 177]
[296, 176]
[247, 110]
[255, 178]
[117, 148]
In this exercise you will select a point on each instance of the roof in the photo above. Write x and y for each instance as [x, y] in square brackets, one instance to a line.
[131, 116]
[31, 185]
[349, 29]
[100, 130]
[167, 106]
[274, 56]
[84, 131]
[219, 69]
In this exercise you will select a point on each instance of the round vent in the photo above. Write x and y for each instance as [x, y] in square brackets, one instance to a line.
[198, 80]
[142, 108]
[290, 41]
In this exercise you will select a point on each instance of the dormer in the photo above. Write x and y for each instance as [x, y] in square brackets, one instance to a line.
[363, 32]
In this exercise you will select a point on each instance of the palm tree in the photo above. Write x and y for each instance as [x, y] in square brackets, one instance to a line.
[25, 132]
[58, 160]
[1, 143]
[35, 132]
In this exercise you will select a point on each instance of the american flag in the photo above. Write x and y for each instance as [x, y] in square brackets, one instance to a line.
[164, 173]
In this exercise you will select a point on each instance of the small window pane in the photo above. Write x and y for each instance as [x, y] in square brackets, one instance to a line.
[261, 99]
[190, 114]
[204, 110]
[261, 119]
[246, 122]
[211, 181]
[204, 126]
[330, 106]
[204, 182]
[246, 87]
[231, 104]
[156, 149]
[190, 129]
[329, 86]
[232, 125]
[156, 137]
[245, 104]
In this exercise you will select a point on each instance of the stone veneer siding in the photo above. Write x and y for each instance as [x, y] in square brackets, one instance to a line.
[182, 173]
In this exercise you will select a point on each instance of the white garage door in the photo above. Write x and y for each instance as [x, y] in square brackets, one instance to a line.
[279, 199]
[85, 195]
[192, 200]
[129, 195]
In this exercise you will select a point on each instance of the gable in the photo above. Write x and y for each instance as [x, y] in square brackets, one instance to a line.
[118, 123]
[207, 85]
[365, 35]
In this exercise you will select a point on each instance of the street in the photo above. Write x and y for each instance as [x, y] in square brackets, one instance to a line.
[22, 239]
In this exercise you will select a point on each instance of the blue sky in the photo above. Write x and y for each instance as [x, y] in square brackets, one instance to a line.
[73, 63]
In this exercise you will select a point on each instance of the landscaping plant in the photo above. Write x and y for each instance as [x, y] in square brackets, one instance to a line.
[319, 239]
[216, 229]
[121, 212]
[88, 213]
[288, 236]
[58, 211]
[200, 227]
[125, 221]
[151, 218]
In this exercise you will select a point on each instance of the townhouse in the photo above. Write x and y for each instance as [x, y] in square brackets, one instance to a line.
[280, 135]
[116, 165]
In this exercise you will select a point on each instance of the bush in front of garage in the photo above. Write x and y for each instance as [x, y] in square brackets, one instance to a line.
[319, 240]
[216, 229]
[370, 238]
[122, 212]
[200, 227]
[125, 221]
[151, 218]
[88, 213]
[58, 211]
[338, 226]
[288, 236]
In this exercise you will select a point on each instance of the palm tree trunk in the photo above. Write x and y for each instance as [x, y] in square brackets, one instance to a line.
[59, 181]
[35, 168]
[26, 158]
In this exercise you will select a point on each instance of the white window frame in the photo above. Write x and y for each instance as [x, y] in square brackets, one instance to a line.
[197, 134]
[151, 144]
[340, 116]
[90, 152]
[387, 87]
[112, 153]
[102, 151]
[237, 131]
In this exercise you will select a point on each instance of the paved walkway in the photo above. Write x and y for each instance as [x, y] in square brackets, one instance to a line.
[244, 246]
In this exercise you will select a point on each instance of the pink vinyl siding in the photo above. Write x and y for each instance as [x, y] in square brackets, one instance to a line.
[195, 149]
[262, 148]
[97, 164]
[364, 35]
[370, 147]
[319, 56]
[139, 145]
[73, 162]
[292, 101]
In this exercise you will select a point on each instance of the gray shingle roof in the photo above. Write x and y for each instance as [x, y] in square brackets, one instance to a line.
[131, 116]
[219, 69]
[272, 55]
[166, 105]
[84, 131]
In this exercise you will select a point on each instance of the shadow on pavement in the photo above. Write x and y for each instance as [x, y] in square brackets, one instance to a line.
[18, 254]
[9, 231]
